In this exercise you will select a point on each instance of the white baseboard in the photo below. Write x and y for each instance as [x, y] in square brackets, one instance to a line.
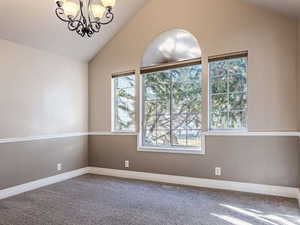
[299, 196]
[281, 191]
[9, 192]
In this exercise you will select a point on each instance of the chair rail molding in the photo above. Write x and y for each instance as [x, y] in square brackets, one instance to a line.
[43, 137]
[206, 134]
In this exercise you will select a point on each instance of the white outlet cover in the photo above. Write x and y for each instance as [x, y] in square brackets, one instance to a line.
[59, 167]
[126, 163]
[218, 171]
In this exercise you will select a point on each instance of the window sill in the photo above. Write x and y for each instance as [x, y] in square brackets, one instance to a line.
[190, 151]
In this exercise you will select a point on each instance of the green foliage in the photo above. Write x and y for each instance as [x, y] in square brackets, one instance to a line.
[124, 103]
[172, 107]
[228, 89]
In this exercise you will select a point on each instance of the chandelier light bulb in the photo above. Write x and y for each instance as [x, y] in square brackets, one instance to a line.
[109, 3]
[97, 10]
[70, 8]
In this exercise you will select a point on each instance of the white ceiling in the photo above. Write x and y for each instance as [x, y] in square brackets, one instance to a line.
[290, 8]
[34, 23]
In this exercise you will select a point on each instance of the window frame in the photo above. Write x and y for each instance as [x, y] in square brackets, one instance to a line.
[180, 149]
[113, 102]
[216, 58]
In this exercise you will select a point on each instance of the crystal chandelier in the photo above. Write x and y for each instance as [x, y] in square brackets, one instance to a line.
[85, 17]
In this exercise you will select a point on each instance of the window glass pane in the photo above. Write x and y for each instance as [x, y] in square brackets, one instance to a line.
[179, 121]
[163, 138]
[219, 85]
[194, 138]
[149, 137]
[219, 120]
[176, 103]
[163, 121]
[124, 103]
[179, 137]
[237, 84]
[125, 113]
[219, 102]
[125, 82]
[218, 68]
[193, 121]
[237, 120]
[150, 108]
[228, 93]
[163, 107]
[150, 122]
[237, 66]
[237, 101]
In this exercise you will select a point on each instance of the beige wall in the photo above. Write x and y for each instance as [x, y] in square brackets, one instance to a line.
[221, 26]
[299, 75]
[41, 93]
[262, 160]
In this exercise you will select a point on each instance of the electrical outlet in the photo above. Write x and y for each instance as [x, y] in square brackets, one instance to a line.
[126, 163]
[218, 171]
[59, 167]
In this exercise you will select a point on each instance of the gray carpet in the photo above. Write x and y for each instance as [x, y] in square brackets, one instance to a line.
[97, 200]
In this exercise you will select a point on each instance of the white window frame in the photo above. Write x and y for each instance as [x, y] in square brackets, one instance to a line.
[243, 54]
[113, 105]
[176, 150]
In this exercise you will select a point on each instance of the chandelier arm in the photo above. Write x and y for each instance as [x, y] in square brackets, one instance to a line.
[59, 13]
[95, 26]
[74, 25]
[109, 15]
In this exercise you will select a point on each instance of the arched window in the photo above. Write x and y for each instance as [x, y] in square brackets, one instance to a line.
[170, 47]
[171, 97]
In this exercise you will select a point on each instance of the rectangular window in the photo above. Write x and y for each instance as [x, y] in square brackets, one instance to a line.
[123, 102]
[228, 92]
[171, 107]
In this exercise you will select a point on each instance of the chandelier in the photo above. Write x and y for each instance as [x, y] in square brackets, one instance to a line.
[85, 17]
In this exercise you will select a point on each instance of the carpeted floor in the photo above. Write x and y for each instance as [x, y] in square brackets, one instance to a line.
[97, 200]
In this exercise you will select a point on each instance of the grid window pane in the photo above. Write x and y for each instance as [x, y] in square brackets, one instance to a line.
[194, 138]
[237, 101]
[219, 102]
[172, 103]
[237, 120]
[228, 93]
[150, 137]
[219, 120]
[179, 137]
[219, 85]
[237, 83]
[163, 138]
[124, 103]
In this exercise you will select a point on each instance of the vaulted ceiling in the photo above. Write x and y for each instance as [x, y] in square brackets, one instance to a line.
[290, 8]
[33, 23]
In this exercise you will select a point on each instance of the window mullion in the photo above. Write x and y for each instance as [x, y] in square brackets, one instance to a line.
[228, 100]
[116, 111]
[170, 109]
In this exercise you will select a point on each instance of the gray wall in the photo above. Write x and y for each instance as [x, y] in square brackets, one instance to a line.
[262, 160]
[28, 161]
